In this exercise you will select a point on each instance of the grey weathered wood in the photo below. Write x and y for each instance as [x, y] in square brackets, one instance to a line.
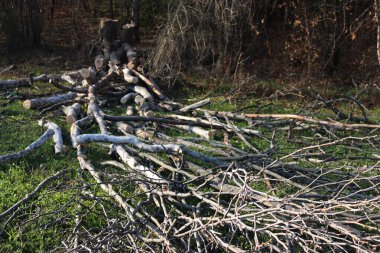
[207, 134]
[195, 105]
[151, 84]
[127, 98]
[132, 140]
[128, 77]
[10, 84]
[143, 92]
[88, 74]
[57, 137]
[124, 127]
[68, 78]
[6, 69]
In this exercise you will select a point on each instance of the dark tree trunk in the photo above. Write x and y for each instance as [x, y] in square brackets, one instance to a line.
[34, 22]
[111, 12]
[21, 22]
[136, 18]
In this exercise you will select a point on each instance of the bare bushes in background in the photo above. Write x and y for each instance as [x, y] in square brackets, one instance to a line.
[236, 38]
[204, 36]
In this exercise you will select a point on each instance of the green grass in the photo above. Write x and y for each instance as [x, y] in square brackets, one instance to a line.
[19, 128]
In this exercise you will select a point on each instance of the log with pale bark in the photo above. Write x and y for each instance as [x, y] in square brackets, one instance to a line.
[128, 77]
[72, 113]
[57, 137]
[89, 138]
[153, 86]
[127, 98]
[25, 82]
[194, 106]
[207, 134]
[43, 102]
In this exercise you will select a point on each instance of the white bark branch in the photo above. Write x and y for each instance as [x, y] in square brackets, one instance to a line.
[38, 143]
[131, 140]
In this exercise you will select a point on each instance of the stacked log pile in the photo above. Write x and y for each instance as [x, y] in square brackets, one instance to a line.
[196, 194]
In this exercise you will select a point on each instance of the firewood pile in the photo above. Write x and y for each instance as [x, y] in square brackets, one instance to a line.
[196, 192]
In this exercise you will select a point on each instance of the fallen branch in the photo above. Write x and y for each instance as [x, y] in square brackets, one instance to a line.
[150, 83]
[132, 140]
[195, 106]
[33, 193]
[7, 69]
[38, 143]
[57, 137]
[10, 84]
[295, 117]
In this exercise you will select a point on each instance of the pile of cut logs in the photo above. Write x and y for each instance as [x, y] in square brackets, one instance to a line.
[197, 190]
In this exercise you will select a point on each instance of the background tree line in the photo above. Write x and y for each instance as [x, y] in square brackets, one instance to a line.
[229, 38]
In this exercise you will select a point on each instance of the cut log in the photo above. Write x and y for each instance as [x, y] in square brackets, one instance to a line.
[144, 134]
[56, 83]
[207, 134]
[109, 29]
[102, 83]
[213, 123]
[48, 101]
[99, 62]
[88, 74]
[130, 110]
[132, 163]
[128, 77]
[165, 106]
[161, 120]
[10, 84]
[131, 140]
[124, 127]
[149, 113]
[143, 92]
[57, 137]
[68, 78]
[72, 112]
[133, 64]
[156, 90]
[142, 103]
[127, 98]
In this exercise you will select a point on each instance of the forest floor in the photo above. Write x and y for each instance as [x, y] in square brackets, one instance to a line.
[57, 204]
